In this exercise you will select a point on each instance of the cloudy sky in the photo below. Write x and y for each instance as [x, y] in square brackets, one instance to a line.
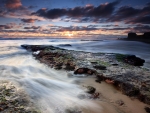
[73, 18]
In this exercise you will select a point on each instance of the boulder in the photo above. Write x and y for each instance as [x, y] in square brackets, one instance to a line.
[90, 89]
[133, 60]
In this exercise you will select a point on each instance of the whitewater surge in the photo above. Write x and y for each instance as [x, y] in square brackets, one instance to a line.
[52, 91]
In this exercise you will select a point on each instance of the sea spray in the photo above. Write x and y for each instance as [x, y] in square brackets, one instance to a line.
[52, 91]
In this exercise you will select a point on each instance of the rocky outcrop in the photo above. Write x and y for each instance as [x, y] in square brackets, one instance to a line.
[132, 35]
[131, 80]
[130, 59]
[142, 38]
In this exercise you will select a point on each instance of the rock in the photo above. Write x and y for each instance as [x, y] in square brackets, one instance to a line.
[99, 78]
[133, 60]
[120, 102]
[84, 71]
[132, 35]
[69, 66]
[90, 89]
[129, 90]
[144, 98]
[109, 81]
[130, 59]
[100, 67]
[147, 35]
[114, 64]
[147, 109]
[93, 62]
[64, 45]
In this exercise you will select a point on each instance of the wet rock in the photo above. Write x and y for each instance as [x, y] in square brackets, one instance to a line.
[130, 59]
[94, 62]
[129, 90]
[58, 66]
[90, 89]
[84, 71]
[144, 98]
[133, 60]
[69, 66]
[114, 64]
[100, 67]
[99, 78]
[147, 109]
[120, 102]
[64, 45]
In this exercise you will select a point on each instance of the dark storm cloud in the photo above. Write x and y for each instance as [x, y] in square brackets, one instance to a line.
[124, 12]
[33, 27]
[139, 29]
[131, 15]
[117, 28]
[28, 20]
[110, 25]
[13, 4]
[146, 27]
[142, 20]
[76, 28]
[103, 10]
[5, 27]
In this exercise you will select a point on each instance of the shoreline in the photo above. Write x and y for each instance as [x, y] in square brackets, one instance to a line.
[71, 60]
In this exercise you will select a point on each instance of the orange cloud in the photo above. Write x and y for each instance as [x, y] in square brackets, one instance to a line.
[13, 4]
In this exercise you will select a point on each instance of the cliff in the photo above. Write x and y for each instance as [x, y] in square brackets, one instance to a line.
[142, 38]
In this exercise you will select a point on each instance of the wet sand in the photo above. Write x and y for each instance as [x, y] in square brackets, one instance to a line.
[109, 96]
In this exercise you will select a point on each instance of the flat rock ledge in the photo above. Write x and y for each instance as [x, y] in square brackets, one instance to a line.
[133, 81]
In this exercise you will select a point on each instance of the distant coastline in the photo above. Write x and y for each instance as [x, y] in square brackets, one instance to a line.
[141, 38]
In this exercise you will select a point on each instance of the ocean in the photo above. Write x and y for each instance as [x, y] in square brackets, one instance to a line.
[52, 89]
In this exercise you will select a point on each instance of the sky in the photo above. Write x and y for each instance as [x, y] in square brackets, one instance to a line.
[73, 18]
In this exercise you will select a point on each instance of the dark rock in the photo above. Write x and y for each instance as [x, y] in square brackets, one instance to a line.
[114, 64]
[142, 38]
[99, 78]
[147, 109]
[69, 66]
[93, 62]
[84, 71]
[129, 90]
[58, 66]
[144, 98]
[147, 35]
[133, 60]
[64, 45]
[90, 89]
[132, 35]
[100, 67]
[130, 59]
[120, 102]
